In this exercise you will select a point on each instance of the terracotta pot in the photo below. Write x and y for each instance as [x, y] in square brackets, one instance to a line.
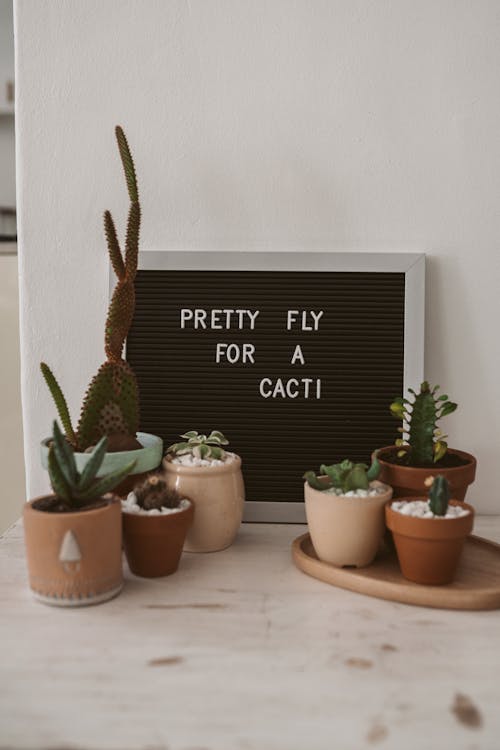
[74, 558]
[429, 549]
[153, 544]
[346, 531]
[218, 494]
[409, 481]
[146, 459]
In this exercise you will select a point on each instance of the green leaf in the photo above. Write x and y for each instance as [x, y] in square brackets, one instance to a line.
[448, 408]
[57, 478]
[60, 402]
[64, 455]
[216, 452]
[107, 483]
[176, 448]
[357, 479]
[190, 434]
[93, 465]
[313, 481]
[202, 450]
[217, 435]
[375, 469]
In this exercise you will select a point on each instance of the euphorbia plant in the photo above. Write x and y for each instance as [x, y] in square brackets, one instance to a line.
[425, 444]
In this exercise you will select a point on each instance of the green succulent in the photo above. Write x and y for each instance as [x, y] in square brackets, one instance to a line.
[346, 476]
[111, 403]
[79, 489]
[439, 496]
[200, 446]
[426, 444]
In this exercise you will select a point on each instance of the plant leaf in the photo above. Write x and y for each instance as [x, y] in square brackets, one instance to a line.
[93, 465]
[60, 402]
[107, 483]
[57, 479]
[64, 455]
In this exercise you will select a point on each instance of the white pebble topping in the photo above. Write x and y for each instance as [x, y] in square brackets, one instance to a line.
[421, 509]
[189, 460]
[372, 492]
[130, 505]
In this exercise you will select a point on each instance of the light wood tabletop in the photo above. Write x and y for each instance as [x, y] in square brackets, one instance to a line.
[241, 651]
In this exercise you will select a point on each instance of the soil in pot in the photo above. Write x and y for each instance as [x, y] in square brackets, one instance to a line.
[429, 548]
[74, 556]
[458, 467]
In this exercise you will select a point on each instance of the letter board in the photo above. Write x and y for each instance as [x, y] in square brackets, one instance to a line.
[295, 357]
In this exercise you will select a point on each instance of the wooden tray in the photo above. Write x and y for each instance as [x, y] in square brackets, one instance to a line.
[477, 585]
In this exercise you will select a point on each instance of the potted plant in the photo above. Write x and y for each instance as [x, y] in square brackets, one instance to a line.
[155, 522]
[429, 534]
[345, 512]
[74, 536]
[111, 404]
[406, 465]
[199, 468]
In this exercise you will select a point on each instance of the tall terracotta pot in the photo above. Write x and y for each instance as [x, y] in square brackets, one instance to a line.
[153, 543]
[218, 494]
[409, 481]
[346, 531]
[74, 558]
[429, 549]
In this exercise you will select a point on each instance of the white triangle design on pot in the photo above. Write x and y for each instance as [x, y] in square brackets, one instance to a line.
[70, 552]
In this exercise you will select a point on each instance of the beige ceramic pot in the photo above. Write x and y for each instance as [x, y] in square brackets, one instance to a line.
[74, 558]
[218, 494]
[346, 531]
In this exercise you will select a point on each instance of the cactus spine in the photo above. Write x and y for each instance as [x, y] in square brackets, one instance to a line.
[111, 403]
[425, 444]
[439, 496]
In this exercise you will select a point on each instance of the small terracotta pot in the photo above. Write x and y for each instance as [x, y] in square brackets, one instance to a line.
[218, 494]
[346, 531]
[74, 558]
[409, 481]
[429, 549]
[153, 544]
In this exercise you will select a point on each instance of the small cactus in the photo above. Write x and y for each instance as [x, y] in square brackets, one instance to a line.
[154, 493]
[72, 488]
[426, 444]
[439, 496]
[200, 446]
[111, 404]
[346, 476]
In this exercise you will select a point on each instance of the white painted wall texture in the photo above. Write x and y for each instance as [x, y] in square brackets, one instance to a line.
[339, 124]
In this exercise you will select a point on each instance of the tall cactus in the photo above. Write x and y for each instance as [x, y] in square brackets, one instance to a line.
[426, 444]
[111, 403]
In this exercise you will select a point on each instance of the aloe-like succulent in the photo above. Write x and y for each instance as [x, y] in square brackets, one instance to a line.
[80, 489]
[426, 444]
[111, 404]
[345, 476]
[439, 495]
[200, 446]
[155, 493]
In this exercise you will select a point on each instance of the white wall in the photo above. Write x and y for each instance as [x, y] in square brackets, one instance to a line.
[7, 140]
[342, 124]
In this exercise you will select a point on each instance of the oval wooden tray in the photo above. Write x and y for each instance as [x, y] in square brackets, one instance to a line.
[477, 585]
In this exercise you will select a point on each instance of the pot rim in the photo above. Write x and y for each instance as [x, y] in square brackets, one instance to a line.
[368, 498]
[28, 507]
[196, 471]
[428, 528]
[150, 441]
[471, 461]
[162, 517]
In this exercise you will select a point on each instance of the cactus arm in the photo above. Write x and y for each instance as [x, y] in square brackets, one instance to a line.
[64, 455]
[57, 479]
[60, 402]
[128, 164]
[132, 240]
[357, 479]
[115, 254]
[313, 481]
[375, 468]
[107, 483]
[439, 496]
[93, 465]
[119, 320]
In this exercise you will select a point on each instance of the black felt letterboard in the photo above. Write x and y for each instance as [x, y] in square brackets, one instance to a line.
[356, 352]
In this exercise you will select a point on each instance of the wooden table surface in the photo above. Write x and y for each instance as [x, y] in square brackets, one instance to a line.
[241, 651]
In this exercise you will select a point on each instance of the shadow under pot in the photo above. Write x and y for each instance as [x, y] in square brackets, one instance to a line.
[153, 543]
[74, 558]
[346, 531]
[458, 467]
[218, 494]
[147, 458]
[429, 549]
